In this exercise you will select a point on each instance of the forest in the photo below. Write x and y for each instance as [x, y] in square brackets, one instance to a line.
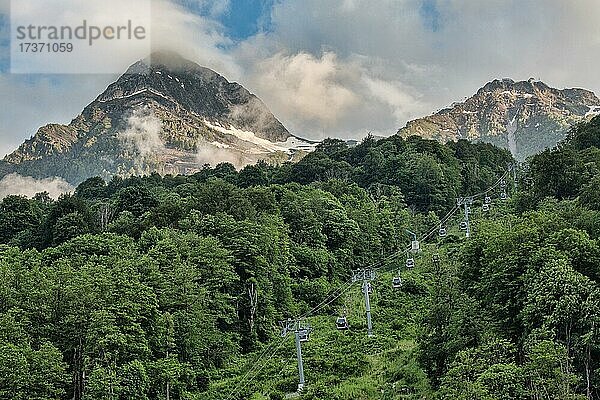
[172, 287]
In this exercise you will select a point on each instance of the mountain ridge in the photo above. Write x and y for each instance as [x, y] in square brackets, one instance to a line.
[523, 116]
[164, 114]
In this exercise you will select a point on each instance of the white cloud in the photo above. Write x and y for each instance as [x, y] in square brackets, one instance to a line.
[196, 37]
[410, 70]
[143, 135]
[104, 56]
[215, 7]
[213, 155]
[394, 94]
[325, 95]
[15, 184]
[306, 86]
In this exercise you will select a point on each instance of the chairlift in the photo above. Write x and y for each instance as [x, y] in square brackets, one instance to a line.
[485, 208]
[443, 232]
[397, 282]
[410, 263]
[304, 334]
[463, 225]
[414, 246]
[341, 323]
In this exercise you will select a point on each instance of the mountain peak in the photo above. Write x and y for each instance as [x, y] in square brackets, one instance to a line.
[175, 82]
[523, 116]
[165, 114]
[166, 60]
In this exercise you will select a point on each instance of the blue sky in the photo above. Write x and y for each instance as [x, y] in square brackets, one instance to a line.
[241, 19]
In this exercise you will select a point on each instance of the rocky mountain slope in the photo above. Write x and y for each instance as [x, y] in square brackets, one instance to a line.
[525, 117]
[165, 114]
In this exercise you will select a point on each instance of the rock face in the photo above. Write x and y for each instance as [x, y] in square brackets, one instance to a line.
[525, 117]
[165, 114]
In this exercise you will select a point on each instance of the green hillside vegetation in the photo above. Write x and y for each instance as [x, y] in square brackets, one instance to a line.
[172, 287]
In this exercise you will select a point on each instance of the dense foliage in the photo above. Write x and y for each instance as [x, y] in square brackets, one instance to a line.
[172, 287]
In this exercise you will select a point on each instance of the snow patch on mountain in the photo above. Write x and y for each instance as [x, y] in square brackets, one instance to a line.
[261, 145]
[593, 110]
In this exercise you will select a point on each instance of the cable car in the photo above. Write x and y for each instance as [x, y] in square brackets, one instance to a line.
[414, 246]
[485, 208]
[397, 282]
[463, 225]
[503, 196]
[341, 323]
[488, 199]
[410, 263]
[369, 288]
[443, 232]
[304, 334]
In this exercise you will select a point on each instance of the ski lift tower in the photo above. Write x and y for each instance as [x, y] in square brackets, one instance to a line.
[466, 203]
[366, 275]
[302, 333]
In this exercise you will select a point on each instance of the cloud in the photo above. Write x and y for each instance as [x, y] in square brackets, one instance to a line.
[395, 95]
[326, 95]
[196, 37]
[213, 8]
[143, 135]
[15, 184]
[417, 56]
[213, 155]
[104, 56]
[309, 87]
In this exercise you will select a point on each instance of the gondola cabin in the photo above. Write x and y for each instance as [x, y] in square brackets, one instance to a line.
[341, 323]
[304, 335]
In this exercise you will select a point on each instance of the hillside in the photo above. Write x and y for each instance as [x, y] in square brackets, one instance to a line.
[525, 117]
[154, 287]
